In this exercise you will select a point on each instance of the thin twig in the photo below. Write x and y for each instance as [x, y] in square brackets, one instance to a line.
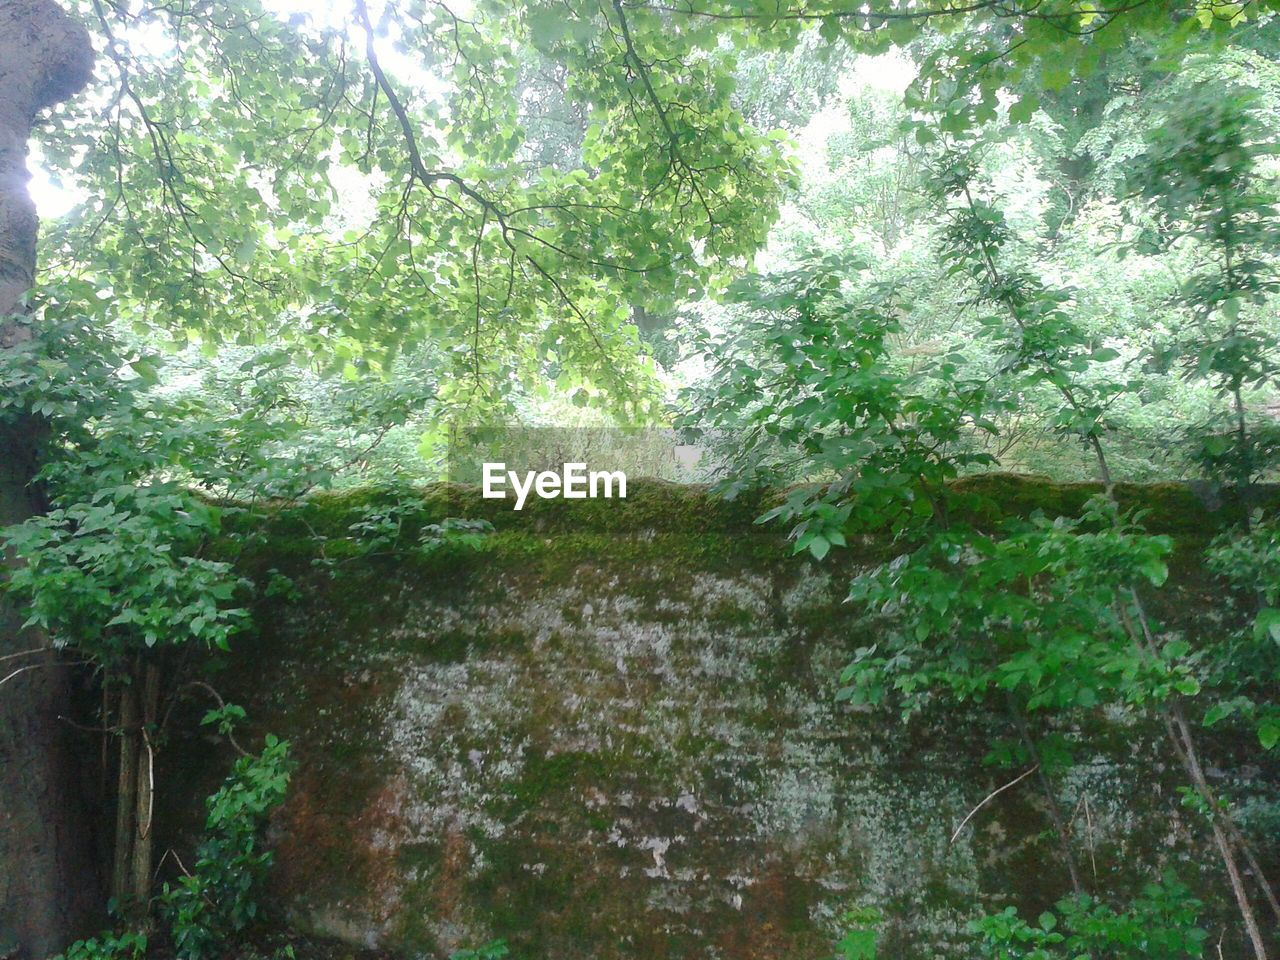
[25, 653]
[1088, 826]
[36, 666]
[87, 729]
[989, 797]
[221, 705]
[176, 859]
[151, 781]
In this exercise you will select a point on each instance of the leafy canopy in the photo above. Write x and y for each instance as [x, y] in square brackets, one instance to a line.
[506, 181]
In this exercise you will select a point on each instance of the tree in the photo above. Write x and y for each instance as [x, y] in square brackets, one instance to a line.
[47, 879]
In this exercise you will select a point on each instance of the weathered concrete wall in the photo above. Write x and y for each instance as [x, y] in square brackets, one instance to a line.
[612, 733]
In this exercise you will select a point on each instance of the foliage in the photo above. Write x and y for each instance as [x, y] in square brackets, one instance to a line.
[822, 391]
[1200, 177]
[1161, 922]
[325, 430]
[208, 907]
[116, 566]
[129, 945]
[1248, 661]
[123, 571]
[117, 572]
[1048, 616]
[1039, 611]
[495, 185]
[1062, 180]
[860, 938]
[490, 951]
[217, 900]
[401, 205]
[395, 523]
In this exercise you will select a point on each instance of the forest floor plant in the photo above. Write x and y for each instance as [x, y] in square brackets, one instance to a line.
[206, 911]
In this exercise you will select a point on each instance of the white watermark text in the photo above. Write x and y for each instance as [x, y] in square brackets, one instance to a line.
[573, 482]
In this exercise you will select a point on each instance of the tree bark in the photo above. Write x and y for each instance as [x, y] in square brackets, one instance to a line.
[48, 884]
[126, 790]
[143, 842]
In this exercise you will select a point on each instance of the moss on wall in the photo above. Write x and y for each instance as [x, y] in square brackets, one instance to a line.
[612, 733]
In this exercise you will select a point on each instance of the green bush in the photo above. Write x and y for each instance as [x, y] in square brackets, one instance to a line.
[1159, 924]
[108, 946]
[217, 900]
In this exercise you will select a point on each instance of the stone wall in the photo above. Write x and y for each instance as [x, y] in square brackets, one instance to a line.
[612, 733]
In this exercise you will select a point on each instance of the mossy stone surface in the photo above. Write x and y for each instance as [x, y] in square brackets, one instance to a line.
[612, 733]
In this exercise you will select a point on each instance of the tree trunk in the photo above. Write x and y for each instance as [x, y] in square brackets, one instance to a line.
[144, 810]
[131, 858]
[48, 885]
[126, 789]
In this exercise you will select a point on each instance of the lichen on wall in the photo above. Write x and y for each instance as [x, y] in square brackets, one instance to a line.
[606, 737]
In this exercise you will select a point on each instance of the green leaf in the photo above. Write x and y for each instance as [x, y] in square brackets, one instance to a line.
[1156, 572]
[1268, 734]
[1055, 74]
[857, 945]
[1267, 624]
[1024, 109]
[146, 371]
[1217, 713]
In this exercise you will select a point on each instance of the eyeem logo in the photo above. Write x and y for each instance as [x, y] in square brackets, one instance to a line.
[573, 483]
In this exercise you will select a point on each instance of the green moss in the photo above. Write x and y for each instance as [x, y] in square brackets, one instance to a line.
[563, 728]
[553, 775]
[1179, 509]
[683, 524]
